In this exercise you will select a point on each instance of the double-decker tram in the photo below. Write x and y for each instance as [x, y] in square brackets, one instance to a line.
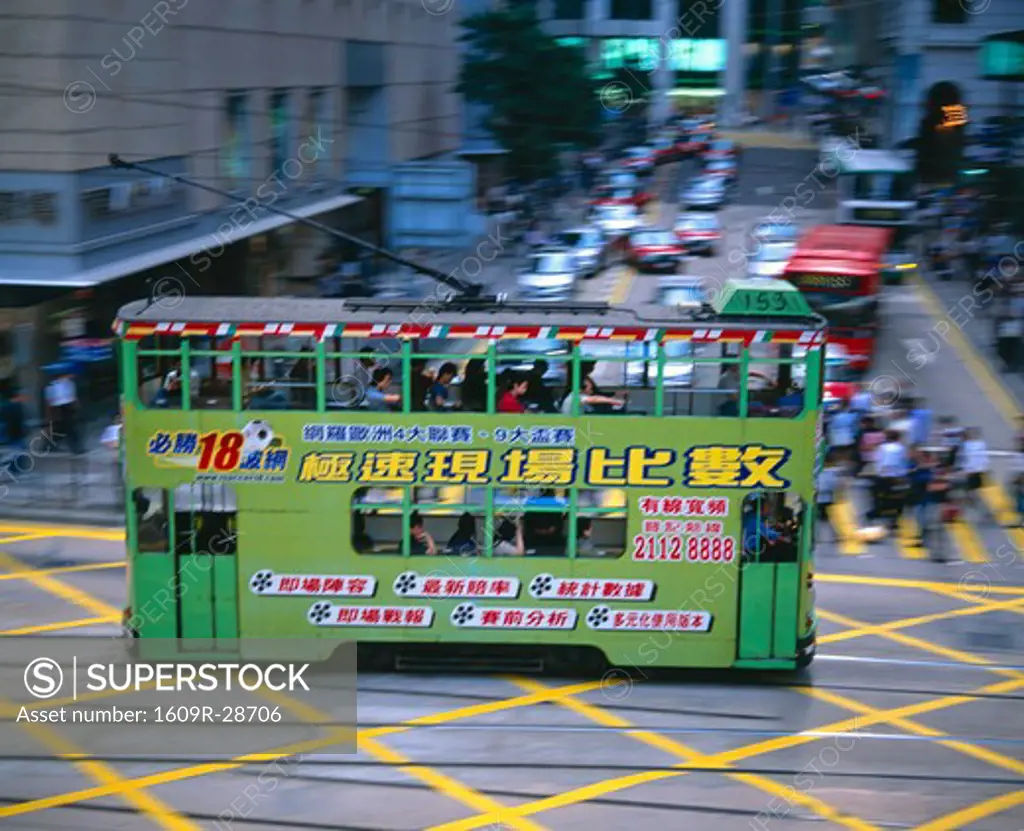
[478, 477]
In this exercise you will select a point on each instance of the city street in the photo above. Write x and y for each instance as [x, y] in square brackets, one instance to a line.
[908, 718]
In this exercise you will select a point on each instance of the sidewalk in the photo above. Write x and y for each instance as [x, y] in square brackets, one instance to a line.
[771, 138]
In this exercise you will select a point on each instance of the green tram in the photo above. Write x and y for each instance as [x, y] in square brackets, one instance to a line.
[476, 478]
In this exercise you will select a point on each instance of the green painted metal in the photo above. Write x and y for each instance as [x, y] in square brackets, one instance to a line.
[759, 298]
[757, 598]
[786, 604]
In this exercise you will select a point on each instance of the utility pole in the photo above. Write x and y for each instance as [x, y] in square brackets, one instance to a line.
[735, 14]
[772, 38]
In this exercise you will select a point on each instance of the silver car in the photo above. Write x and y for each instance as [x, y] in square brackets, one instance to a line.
[617, 221]
[590, 247]
[705, 193]
[549, 275]
[770, 258]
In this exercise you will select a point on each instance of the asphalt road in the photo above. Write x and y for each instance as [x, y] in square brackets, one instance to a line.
[909, 717]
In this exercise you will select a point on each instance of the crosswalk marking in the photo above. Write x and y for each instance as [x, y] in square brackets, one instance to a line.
[999, 504]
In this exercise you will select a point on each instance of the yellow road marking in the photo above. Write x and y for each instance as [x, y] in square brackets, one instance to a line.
[1003, 510]
[434, 779]
[984, 754]
[23, 538]
[907, 540]
[965, 816]
[623, 284]
[972, 549]
[599, 789]
[844, 516]
[54, 627]
[688, 754]
[902, 583]
[918, 643]
[152, 808]
[24, 575]
[77, 531]
[907, 623]
[997, 392]
[958, 594]
[53, 586]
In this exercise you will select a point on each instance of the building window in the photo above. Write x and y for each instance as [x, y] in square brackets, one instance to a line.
[279, 130]
[949, 11]
[315, 125]
[631, 9]
[568, 10]
[236, 154]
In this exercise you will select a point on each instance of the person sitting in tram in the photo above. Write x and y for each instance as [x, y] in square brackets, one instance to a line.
[463, 541]
[361, 540]
[422, 380]
[585, 538]
[508, 538]
[512, 398]
[591, 401]
[543, 532]
[539, 396]
[420, 542]
[377, 397]
[439, 396]
[473, 391]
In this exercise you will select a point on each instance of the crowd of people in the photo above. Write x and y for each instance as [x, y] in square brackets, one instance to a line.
[912, 466]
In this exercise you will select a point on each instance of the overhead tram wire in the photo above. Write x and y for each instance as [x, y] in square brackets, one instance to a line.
[466, 289]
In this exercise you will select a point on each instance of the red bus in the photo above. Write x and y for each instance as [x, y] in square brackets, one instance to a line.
[839, 268]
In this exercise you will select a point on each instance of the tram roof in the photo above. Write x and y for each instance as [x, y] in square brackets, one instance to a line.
[238, 312]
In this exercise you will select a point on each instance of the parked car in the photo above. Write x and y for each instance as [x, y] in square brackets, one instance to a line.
[655, 249]
[590, 247]
[550, 275]
[770, 258]
[704, 192]
[699, 232]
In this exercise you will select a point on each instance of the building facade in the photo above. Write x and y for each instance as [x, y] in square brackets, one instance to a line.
[308, 105]
[699, 52]
[931, 42]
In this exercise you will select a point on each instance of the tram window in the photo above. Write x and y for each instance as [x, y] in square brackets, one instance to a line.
[152, 529]
[772, 391]
[280, 374]
[205, 519]
[544, 365]
[601, 523]
[213, 362]
[772, 526]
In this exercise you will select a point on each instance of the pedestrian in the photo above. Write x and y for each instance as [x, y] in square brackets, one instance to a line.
[842, 433]
[829, 480]
[973, 467]
[871, 438]
[891, 468]
[62, 410]
[945, 512]
[921, 420]
[919, 497]
[862, 401]
[14, 422]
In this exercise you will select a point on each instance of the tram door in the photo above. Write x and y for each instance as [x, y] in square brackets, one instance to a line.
[206, 566]
[769, 581]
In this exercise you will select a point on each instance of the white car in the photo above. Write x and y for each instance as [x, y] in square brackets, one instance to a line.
[549, 275]
[618, 220]
[590, 247]
[770, 258]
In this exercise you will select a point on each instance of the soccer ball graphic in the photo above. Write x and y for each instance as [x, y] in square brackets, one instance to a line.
[256, 437]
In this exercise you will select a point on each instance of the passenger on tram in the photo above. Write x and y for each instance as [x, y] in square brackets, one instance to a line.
[378, 398]
[539, 397]
[463, 541]
[439, 397]
[592, 401]
[508, 538]
[473, 392]
[421, 381]
[512, 398]
[420, 542]
[584, 537]
[361, 541]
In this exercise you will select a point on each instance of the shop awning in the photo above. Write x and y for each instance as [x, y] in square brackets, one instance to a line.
[175, 251]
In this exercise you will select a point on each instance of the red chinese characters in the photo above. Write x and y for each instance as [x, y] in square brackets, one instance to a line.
[312, 585]
[676, 506]
[470, 616]
[605, 619]
[411, 584]
[327, 614]
[548, 587]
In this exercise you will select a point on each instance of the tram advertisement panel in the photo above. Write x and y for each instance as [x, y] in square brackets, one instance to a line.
[664, 511]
